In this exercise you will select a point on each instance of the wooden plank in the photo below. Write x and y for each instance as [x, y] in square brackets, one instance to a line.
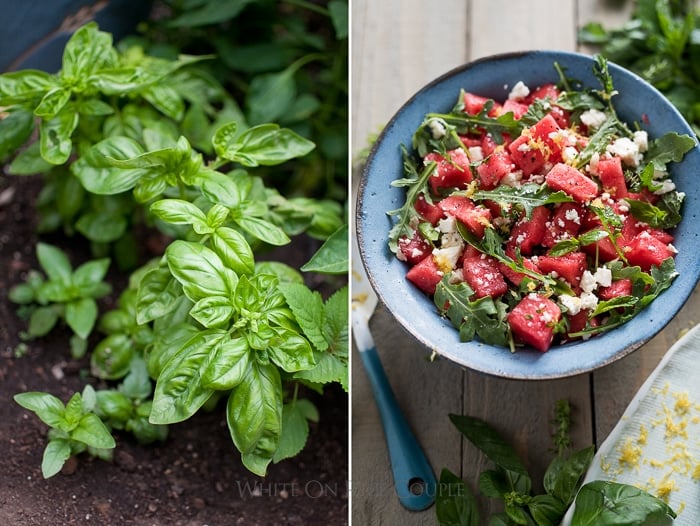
[389, 64]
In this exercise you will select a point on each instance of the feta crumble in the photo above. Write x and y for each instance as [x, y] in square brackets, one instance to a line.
[519, 91]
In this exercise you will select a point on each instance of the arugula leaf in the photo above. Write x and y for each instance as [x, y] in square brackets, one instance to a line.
[670, 147]
[528, 196]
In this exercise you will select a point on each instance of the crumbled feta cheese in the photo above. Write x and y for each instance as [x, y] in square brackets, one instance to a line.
[519, 91]
[475, 153]
[588, 282]
[569, 154]
[641, 139]
[572, 303]
[512, 179]
[592, 166]
[446, 258]
[572, 215]
[666, 186]
[627, 150]
[603, 276]
[593, 118]
[437, 128]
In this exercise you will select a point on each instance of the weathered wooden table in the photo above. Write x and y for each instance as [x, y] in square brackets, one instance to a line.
[397, 47]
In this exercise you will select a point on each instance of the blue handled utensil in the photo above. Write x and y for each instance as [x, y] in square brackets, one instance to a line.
[413, 477]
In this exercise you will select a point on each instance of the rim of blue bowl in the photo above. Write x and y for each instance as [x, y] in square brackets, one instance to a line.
[415, 311]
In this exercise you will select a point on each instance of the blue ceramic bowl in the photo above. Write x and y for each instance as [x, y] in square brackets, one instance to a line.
[493, 77]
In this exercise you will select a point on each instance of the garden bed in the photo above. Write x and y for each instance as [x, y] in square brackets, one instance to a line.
[194, 478]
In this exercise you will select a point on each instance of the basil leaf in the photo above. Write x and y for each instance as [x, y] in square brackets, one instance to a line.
[42, 321]
[455, 505]
[261, 229]
[332, 257]
[213, 311]
[254, 416]
[234, 250]
[52, 103]
[200, 270]
[570, 474]
[54, 262]
[55, 137]
[157, 295]
[99, 175]
[615, 504]
[111, 358]
[92, 432]
[179, 212]
[263, 145]
[29, 161]
[547, 510]
[166, 344]
[86, 52]
[179, 391]
[290, 351]
[24, 87]
[15, 129]
[57, 451]
[88, 276]
[46, 406]
[219, 188]
[228, 365]
[81, 316]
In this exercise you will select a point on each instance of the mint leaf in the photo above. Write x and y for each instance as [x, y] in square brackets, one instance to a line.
[307, 306]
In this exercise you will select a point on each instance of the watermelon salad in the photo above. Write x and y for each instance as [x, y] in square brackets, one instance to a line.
[539, 219]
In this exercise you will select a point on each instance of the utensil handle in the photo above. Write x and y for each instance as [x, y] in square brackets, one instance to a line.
[414, 478]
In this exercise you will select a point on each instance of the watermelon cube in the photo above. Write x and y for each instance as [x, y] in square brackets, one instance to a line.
[425, 275]
[569, 266]
[413, 250]
[535, 147]
[484, 277]
[646, 250]
[429, 211]
[565, 223]
[572, 182]
[532, 321]
[475, 218]
[518, 109]
[619, 287]
[514, 276]
[494, 168]
[451, 172]
[612, 178]
[473, 104]
[527, 234]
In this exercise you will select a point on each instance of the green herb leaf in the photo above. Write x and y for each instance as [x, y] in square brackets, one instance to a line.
[199, 270]
[295, 428]
[100, 176]
[455, 505]
[332, 257]
[81, 316]
[262, 145]
[234, 250]
[605, 502]
[56, 453]
[228, 365]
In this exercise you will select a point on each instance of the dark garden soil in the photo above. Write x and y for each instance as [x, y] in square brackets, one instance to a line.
[194, 478]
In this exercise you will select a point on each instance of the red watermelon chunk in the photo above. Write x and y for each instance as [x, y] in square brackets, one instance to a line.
[527, 234]
[532, 321]
[494, 168]
[535, 148]
[429, 211]
[572, 182]
[619, 287]
[474, 217]
[568, 266]
[612, 178]
[514, 276]
[564, 224]
[646, 250]
[414, 249]
[425, 275]
[483, 276]
[473, 104]
[450, 173]
[517, 108]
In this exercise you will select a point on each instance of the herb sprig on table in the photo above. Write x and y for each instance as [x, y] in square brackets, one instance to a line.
[598, 502]
[661, 43]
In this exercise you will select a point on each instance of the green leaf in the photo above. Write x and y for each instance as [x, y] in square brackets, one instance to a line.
[25, 86]
[262, 229]
[54, 262]
[101, 227]
[92, 432]
[338, 10]
[15, 129]
[295, 431]
[137, 384]
[254, 416]
[90, 274]
[165, 99]
[52, 103]
[290, 351]
[455, 504]
[228, 365]
[528, 196]
[308, 309]
[42, 320]
[55, 134]
[99, 176]
[485, 438]
[271, 95]
[87, 51]
[615, 504]
[166, 344]
[219, 188]
[111, 358]
[234, 250]
[29, 161]
[213, 311]
[200, 270]
[157, 295]
[179, 212]
[209, 13]
[56, 453]
[547, 510]
[263, 145]
[46, 406]
[81, 316]
[571, 473]
[224, 139]
[332, 257]
[329, 368]
[179, 391]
